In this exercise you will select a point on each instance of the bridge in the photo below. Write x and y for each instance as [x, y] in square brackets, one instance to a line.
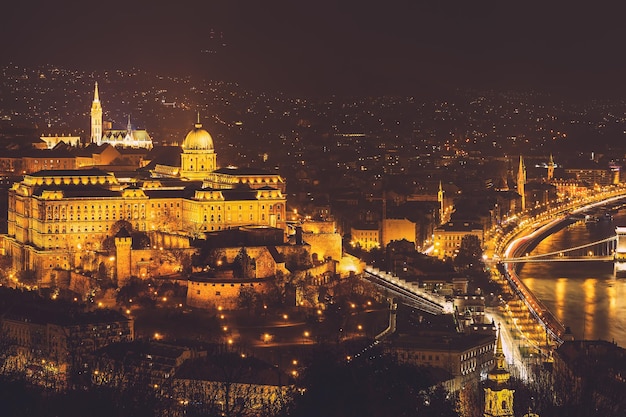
[611, 249]
[408, 292]
[601, 250]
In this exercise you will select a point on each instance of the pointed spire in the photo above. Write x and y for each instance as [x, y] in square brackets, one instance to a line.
[499, 371]
[198, 124]
[499, 351]
[96, 96]
[128, 127]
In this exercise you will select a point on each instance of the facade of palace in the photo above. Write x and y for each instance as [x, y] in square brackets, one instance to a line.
[55, 216]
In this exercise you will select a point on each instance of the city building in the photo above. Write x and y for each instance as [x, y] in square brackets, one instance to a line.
[365, 235]
[448, 237]
[591, 370]
[48, 340]
[592, 174]
[54, 216]
[150, 363]
[233, 382]
[54, 140]
[397, 229]
[464, 356]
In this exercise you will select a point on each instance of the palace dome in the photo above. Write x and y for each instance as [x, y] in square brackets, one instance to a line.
[198, 139]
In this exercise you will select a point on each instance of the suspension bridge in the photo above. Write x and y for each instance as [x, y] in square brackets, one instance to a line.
[601, 250]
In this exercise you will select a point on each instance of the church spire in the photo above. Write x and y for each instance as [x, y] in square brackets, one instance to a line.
[499, 354]
[96, 117]
[96, 96]
[128, 127]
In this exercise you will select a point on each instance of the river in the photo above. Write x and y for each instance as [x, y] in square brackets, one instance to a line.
[584, 296]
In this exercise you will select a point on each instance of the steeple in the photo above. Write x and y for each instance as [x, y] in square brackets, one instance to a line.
[521, 181]
[498, 395]
[500, 359]
[128, 127]
[96, 117]
[96, 97]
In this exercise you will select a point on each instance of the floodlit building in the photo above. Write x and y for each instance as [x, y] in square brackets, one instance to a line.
[448, 237]
[498, 394]
[56, 216]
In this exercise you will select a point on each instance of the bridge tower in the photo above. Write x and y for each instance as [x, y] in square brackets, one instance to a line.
[620, 251]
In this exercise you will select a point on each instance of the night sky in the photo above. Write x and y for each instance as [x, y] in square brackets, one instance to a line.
[353, 47]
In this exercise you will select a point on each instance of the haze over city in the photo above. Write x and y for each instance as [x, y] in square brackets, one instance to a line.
[281, 209]
[347, 47]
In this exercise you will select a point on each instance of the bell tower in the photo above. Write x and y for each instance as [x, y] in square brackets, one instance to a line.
[96, 118]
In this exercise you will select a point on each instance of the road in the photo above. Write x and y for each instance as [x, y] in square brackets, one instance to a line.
[510, 345]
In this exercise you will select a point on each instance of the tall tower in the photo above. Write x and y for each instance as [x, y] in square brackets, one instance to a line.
[440, 200]
[498, 396]
[551, 166]
[521, 181]
[96, 118]
[123, 256]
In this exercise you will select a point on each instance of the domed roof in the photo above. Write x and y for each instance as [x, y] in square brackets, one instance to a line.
[198, 139]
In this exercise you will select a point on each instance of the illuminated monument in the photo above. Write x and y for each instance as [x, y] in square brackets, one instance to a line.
[56, 218]
[127, 138]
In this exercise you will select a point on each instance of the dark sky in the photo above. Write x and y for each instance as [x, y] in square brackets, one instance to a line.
[333, 46]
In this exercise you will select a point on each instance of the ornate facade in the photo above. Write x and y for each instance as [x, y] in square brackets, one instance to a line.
[498, 395]
[55, 216]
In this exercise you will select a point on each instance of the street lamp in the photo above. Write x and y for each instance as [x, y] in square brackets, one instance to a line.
[111, 260]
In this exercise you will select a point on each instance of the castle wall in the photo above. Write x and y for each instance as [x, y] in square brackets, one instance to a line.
[210, 295]
[325, 245]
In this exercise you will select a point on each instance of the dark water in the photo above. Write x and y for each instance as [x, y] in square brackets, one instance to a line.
[583, 295]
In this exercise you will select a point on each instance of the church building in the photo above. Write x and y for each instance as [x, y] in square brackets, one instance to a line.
[126, 138]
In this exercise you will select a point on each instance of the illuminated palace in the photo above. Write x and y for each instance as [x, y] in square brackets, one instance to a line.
[53, 215]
